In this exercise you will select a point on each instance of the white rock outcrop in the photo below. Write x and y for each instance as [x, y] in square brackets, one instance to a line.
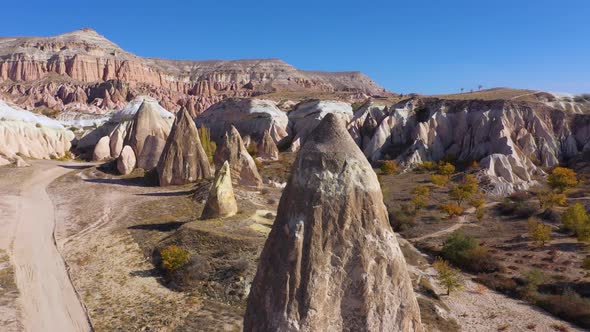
[510, 139]
[31, 135]
[308, 114]
[250, 116]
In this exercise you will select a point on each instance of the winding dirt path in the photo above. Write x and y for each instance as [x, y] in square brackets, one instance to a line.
[47, 300]
[462, 220]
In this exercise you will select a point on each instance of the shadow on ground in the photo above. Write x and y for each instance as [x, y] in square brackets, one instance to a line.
[161, 227]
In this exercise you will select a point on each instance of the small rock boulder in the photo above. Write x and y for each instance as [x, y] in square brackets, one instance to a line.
[102, 150]
[221, 201]
[117, 138]
[267, 149]
[241, 163]
[126, 160]
[20, 162]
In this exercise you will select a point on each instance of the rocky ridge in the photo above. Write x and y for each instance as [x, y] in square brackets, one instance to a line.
[82, 70]
[512, 140]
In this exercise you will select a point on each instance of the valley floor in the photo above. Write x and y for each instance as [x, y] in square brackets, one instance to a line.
[107, 228]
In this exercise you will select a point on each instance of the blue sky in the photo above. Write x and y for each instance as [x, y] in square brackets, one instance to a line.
[407, 46]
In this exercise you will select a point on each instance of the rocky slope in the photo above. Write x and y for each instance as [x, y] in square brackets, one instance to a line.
[512, 140]
[83, 70]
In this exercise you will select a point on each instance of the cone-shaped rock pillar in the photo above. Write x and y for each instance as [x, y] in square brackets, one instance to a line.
[267, 149]
[242, 165]
[221, 201]
[331, 261]
[183, 159]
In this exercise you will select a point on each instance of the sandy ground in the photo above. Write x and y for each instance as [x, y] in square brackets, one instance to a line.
[117, 282]
[47, 301]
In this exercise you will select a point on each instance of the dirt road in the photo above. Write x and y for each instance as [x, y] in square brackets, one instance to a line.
[47, 300]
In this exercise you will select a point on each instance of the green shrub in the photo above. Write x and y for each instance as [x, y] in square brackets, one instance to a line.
[539, 232]
[447, 276]
[452, 210]
[439, 180]
[174, 257]
[517, 208]
[208, 145]
[457, 245]
[576, 220]
[465, 252]
[445, 168]
[562, 178]
[499, 283]
[389, 167]
[569, 306]
[402, 220]
[427, 166]
[533, 279]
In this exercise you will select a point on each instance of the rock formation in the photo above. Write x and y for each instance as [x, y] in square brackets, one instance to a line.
[117, 126]
[510, 139]
[4, 161]
[92, 74]
[102, 150]
[221, 201]
[267, 149]
[307, 115]
[126, 160]
[147, 135]
[117, 138]
[331, 261]
[247, 141]
[20, 162]
[242, 165]
[150, 155]
[31, 135]
[183, 160]
[250, 116]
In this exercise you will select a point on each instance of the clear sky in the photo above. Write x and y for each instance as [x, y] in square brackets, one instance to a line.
[435, 46]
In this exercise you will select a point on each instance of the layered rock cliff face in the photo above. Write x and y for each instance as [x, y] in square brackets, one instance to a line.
[331, 261]
[31, 135]
[82, 70]
[512, 140]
